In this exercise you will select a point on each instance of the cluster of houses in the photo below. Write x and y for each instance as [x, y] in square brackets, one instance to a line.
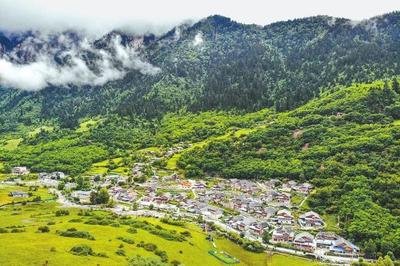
[249, 207]
[307, 242]
[51, 179]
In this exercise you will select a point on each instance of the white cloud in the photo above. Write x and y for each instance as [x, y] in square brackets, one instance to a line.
[198, 39]
[99, 16]
[44, 71]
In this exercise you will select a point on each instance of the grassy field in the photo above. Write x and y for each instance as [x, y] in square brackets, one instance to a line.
[85, 126]
[29, 247]
[102, 167]
[5, 190]
[33, 248]
[286, 260]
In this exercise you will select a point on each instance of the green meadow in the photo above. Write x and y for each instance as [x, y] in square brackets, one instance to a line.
[19, 225]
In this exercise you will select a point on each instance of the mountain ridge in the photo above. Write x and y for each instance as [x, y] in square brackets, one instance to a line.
[216, 63]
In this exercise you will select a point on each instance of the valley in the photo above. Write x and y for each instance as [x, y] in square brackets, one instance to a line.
[175, 174]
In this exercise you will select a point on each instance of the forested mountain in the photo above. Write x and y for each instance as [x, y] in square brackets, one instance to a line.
[313, 99]
[215, 63]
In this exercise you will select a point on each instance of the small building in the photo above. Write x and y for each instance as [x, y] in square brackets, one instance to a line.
[283, 217]
[20, 170]
[18, 194]
[311, 220]
[325, 239]
[282, 235]
[82, 196]
[343, 246]
[304, 241]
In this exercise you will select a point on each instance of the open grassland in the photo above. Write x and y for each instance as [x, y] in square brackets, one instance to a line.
[104, 167]
[5, 190]
[86, 125]
[286, 260]
[29, 247]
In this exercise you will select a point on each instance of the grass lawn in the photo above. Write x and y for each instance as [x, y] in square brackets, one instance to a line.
[286, 260]
[331, 222]
[224, 257]
[296, 199]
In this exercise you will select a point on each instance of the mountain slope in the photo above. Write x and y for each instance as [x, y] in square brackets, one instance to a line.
[345, 142]
[213, 64]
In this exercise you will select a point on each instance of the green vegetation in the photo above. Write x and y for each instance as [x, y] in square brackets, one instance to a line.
[343, 142]
[54, 248]
[224, 257]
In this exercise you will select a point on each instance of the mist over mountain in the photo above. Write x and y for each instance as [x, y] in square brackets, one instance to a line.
[215, 63]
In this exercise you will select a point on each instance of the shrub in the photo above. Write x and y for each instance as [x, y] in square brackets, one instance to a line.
[132, 230]
[82, 250]
[126, 240]
[175, 263]
[186, 234]
[72, 232]
[43, 229]
[150, 247]
[17, 230]
[62, 212]
[120, 252]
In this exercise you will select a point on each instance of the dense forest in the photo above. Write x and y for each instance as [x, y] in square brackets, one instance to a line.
[232, 66]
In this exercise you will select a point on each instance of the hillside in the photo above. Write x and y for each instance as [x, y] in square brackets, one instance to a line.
[215, 64]
[345, 142]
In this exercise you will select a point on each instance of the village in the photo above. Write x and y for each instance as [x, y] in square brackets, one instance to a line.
[251, 209]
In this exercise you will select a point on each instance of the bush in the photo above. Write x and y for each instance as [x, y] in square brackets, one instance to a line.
[17, 230]
[132, 230]
[62, 212]
[126, 240]
[186, 234]
[120, 252]
[72, 232]
[150, 247]
[43, 229]
[82, 250]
